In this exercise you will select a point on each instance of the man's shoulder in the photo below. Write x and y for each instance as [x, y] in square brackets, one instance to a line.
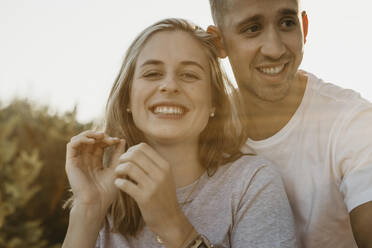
[331, 102]
[330, 92]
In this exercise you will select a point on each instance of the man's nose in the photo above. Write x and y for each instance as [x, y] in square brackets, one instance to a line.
[273, 45]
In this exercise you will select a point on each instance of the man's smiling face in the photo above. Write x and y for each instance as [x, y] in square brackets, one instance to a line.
[264, 42]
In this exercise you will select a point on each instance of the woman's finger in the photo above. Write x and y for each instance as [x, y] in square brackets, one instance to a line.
[98, 149]
[105, 140]
[128, 187]
[119, 149]
[137, 156]
[89, 149]
[97, 156]
[100, 136]
[93, 134]
[154, 156]
[75, 145]
[134, 172]
[89, 134]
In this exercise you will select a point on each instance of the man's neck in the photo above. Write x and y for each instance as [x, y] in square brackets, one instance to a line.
[263, 118]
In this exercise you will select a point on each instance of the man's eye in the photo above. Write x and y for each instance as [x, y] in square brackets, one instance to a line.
[288, 23]
[251, 29]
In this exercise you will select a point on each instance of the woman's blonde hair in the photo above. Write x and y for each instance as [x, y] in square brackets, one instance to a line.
[219, 142]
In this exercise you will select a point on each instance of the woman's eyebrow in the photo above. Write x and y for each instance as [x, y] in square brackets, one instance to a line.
[190, 62]
[152, 62]
[185, 62]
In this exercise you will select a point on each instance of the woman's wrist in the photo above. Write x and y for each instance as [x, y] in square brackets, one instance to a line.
[177, 233]
[84, 225]
[179, 239]
[88, 213]
[89, 218]
[199, 241]
[189, 238]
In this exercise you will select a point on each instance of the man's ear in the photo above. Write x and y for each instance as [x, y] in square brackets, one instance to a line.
[305, 24]
[218, 39]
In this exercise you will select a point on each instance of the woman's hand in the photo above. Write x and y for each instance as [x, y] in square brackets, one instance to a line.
[91, 183]
[144, 175]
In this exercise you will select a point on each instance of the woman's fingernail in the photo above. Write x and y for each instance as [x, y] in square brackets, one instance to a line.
[118, 182]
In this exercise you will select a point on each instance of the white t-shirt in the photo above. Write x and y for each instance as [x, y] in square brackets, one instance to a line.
[325, 156]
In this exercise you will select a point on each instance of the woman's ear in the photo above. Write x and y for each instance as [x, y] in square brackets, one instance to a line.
[212, 112]
[218, 40]
[305, 24]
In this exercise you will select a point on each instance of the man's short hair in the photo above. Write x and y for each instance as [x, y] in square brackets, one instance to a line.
[219, 9]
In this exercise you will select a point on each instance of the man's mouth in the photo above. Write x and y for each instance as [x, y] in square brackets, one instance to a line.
[272, 70]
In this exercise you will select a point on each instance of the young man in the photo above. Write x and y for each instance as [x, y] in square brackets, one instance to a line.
[318, 134]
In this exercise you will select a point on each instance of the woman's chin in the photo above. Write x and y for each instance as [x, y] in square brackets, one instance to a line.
[169, 138]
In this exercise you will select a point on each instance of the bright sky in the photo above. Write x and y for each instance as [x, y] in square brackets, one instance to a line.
[63, 53]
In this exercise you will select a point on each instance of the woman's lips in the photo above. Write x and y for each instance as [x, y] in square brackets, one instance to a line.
[169, 110]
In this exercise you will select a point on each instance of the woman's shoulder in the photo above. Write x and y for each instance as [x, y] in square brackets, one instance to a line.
[247, 166]
[245, 177]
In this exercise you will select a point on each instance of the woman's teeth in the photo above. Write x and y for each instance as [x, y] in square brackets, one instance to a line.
[272, 70]
[168, 110]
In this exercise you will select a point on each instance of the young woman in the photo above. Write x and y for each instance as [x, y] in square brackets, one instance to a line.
[172, 174]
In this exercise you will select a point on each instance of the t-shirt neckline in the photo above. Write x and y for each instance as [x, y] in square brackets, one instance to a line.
[282, 133]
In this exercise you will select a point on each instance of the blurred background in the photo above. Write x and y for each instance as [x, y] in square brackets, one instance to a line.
[58, 60]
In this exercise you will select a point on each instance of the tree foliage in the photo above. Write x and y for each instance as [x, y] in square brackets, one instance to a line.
[33, 183]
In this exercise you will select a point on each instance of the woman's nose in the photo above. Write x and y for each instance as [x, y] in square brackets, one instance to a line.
[169, 85]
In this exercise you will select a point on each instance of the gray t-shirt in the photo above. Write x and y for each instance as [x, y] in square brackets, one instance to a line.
[242, 205]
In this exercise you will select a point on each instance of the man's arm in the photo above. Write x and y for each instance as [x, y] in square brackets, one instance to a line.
[353, 156]
[361, 222]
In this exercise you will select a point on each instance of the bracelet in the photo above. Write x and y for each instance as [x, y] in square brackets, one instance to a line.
[199, 242]
[189, 235]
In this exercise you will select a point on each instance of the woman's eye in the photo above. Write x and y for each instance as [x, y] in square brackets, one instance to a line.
[152, 75]
[189, 77]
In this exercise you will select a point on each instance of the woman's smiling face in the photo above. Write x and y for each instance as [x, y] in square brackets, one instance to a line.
[171, 96]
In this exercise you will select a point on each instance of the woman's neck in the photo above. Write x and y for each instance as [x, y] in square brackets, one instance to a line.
[184, 160]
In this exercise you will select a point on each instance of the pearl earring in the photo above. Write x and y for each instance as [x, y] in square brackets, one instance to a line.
[211, 114]
[128, 110]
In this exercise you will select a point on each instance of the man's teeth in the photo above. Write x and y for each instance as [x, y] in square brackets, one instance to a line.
[168, 110]
[272, 70]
